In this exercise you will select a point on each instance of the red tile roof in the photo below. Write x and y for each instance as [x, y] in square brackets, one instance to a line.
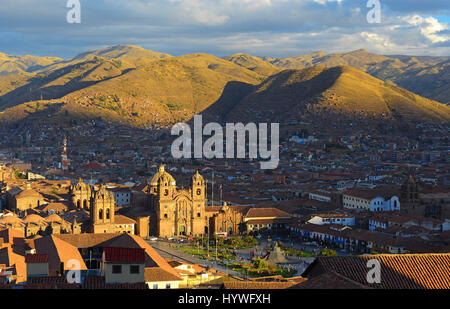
[398, 271]
[36, 258]
[127, 255]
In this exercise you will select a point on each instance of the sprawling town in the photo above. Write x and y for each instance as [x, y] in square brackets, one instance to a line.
[112, 203]
[225, 152]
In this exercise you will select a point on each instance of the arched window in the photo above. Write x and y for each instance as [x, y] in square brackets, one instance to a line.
[100, 214]
[107, 214]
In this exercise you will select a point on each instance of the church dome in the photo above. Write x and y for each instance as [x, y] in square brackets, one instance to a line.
[162, 177]
[53, 218]
[33, 218]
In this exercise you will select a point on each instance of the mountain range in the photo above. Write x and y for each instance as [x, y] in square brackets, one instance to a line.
[132, 85]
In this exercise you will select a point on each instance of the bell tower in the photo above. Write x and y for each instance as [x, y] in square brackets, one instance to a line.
[102, 211]
[198, 193]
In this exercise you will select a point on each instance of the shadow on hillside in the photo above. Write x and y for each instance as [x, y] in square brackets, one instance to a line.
[34, 90]
[280, 97]
[232, 95]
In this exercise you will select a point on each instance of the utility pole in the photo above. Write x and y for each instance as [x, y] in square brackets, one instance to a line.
[212, 189]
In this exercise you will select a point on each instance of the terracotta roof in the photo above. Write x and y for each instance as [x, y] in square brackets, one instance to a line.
[255, 285]
[329, 280]
[267, 221]
[50, 282]
[265, 213]
[53, 218]
[36, 258]
[372, 193]
[157, 274]
[97, 282]
[403, 271]
[58, 252]
[128, 255]
[86, 240]
[152, 258]
[33, 218]
[29, 193]
[120, 219]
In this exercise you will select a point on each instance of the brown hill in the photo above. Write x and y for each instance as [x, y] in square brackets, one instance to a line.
[424, 75]
[20, 64]
[139, 87]
[340, 89]
[254, 64]
[159, 91]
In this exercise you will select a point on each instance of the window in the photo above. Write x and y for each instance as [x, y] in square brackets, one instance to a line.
[198, 215]
[134, 269]
[117, 269]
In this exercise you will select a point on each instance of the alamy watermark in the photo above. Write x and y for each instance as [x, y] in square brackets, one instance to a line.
[213, 147]
[374, 274]
[374, 15]
[74, 14]
[74, 274]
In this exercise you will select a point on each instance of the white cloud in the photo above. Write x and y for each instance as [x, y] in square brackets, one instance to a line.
[429, 27]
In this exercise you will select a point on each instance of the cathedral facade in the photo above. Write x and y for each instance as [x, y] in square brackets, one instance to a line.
[177, 212]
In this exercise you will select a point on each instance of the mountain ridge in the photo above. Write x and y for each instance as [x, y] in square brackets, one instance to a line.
[125, 83]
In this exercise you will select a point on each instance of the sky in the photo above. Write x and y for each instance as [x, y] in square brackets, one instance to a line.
[278, 28]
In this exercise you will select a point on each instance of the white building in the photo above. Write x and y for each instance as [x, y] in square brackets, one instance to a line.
[322, 196]
[340, 219]
[371, 200]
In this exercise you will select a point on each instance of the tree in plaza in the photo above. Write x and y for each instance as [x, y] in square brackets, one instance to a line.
[328, 252]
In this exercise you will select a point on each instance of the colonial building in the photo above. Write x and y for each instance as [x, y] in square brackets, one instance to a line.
[18, 199]
[176, 211]
[183, 212]
[374, 200]
[433, 204]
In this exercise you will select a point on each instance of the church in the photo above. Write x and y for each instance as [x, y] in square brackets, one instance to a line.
[417, 202]
[173, 211]
[162, 209]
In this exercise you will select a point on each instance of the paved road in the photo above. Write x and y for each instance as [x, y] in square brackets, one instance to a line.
[167, 251]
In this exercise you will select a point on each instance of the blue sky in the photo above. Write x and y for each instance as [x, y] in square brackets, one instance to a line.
[223, 27]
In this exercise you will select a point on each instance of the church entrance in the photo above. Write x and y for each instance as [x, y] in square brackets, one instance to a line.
[182, 230]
